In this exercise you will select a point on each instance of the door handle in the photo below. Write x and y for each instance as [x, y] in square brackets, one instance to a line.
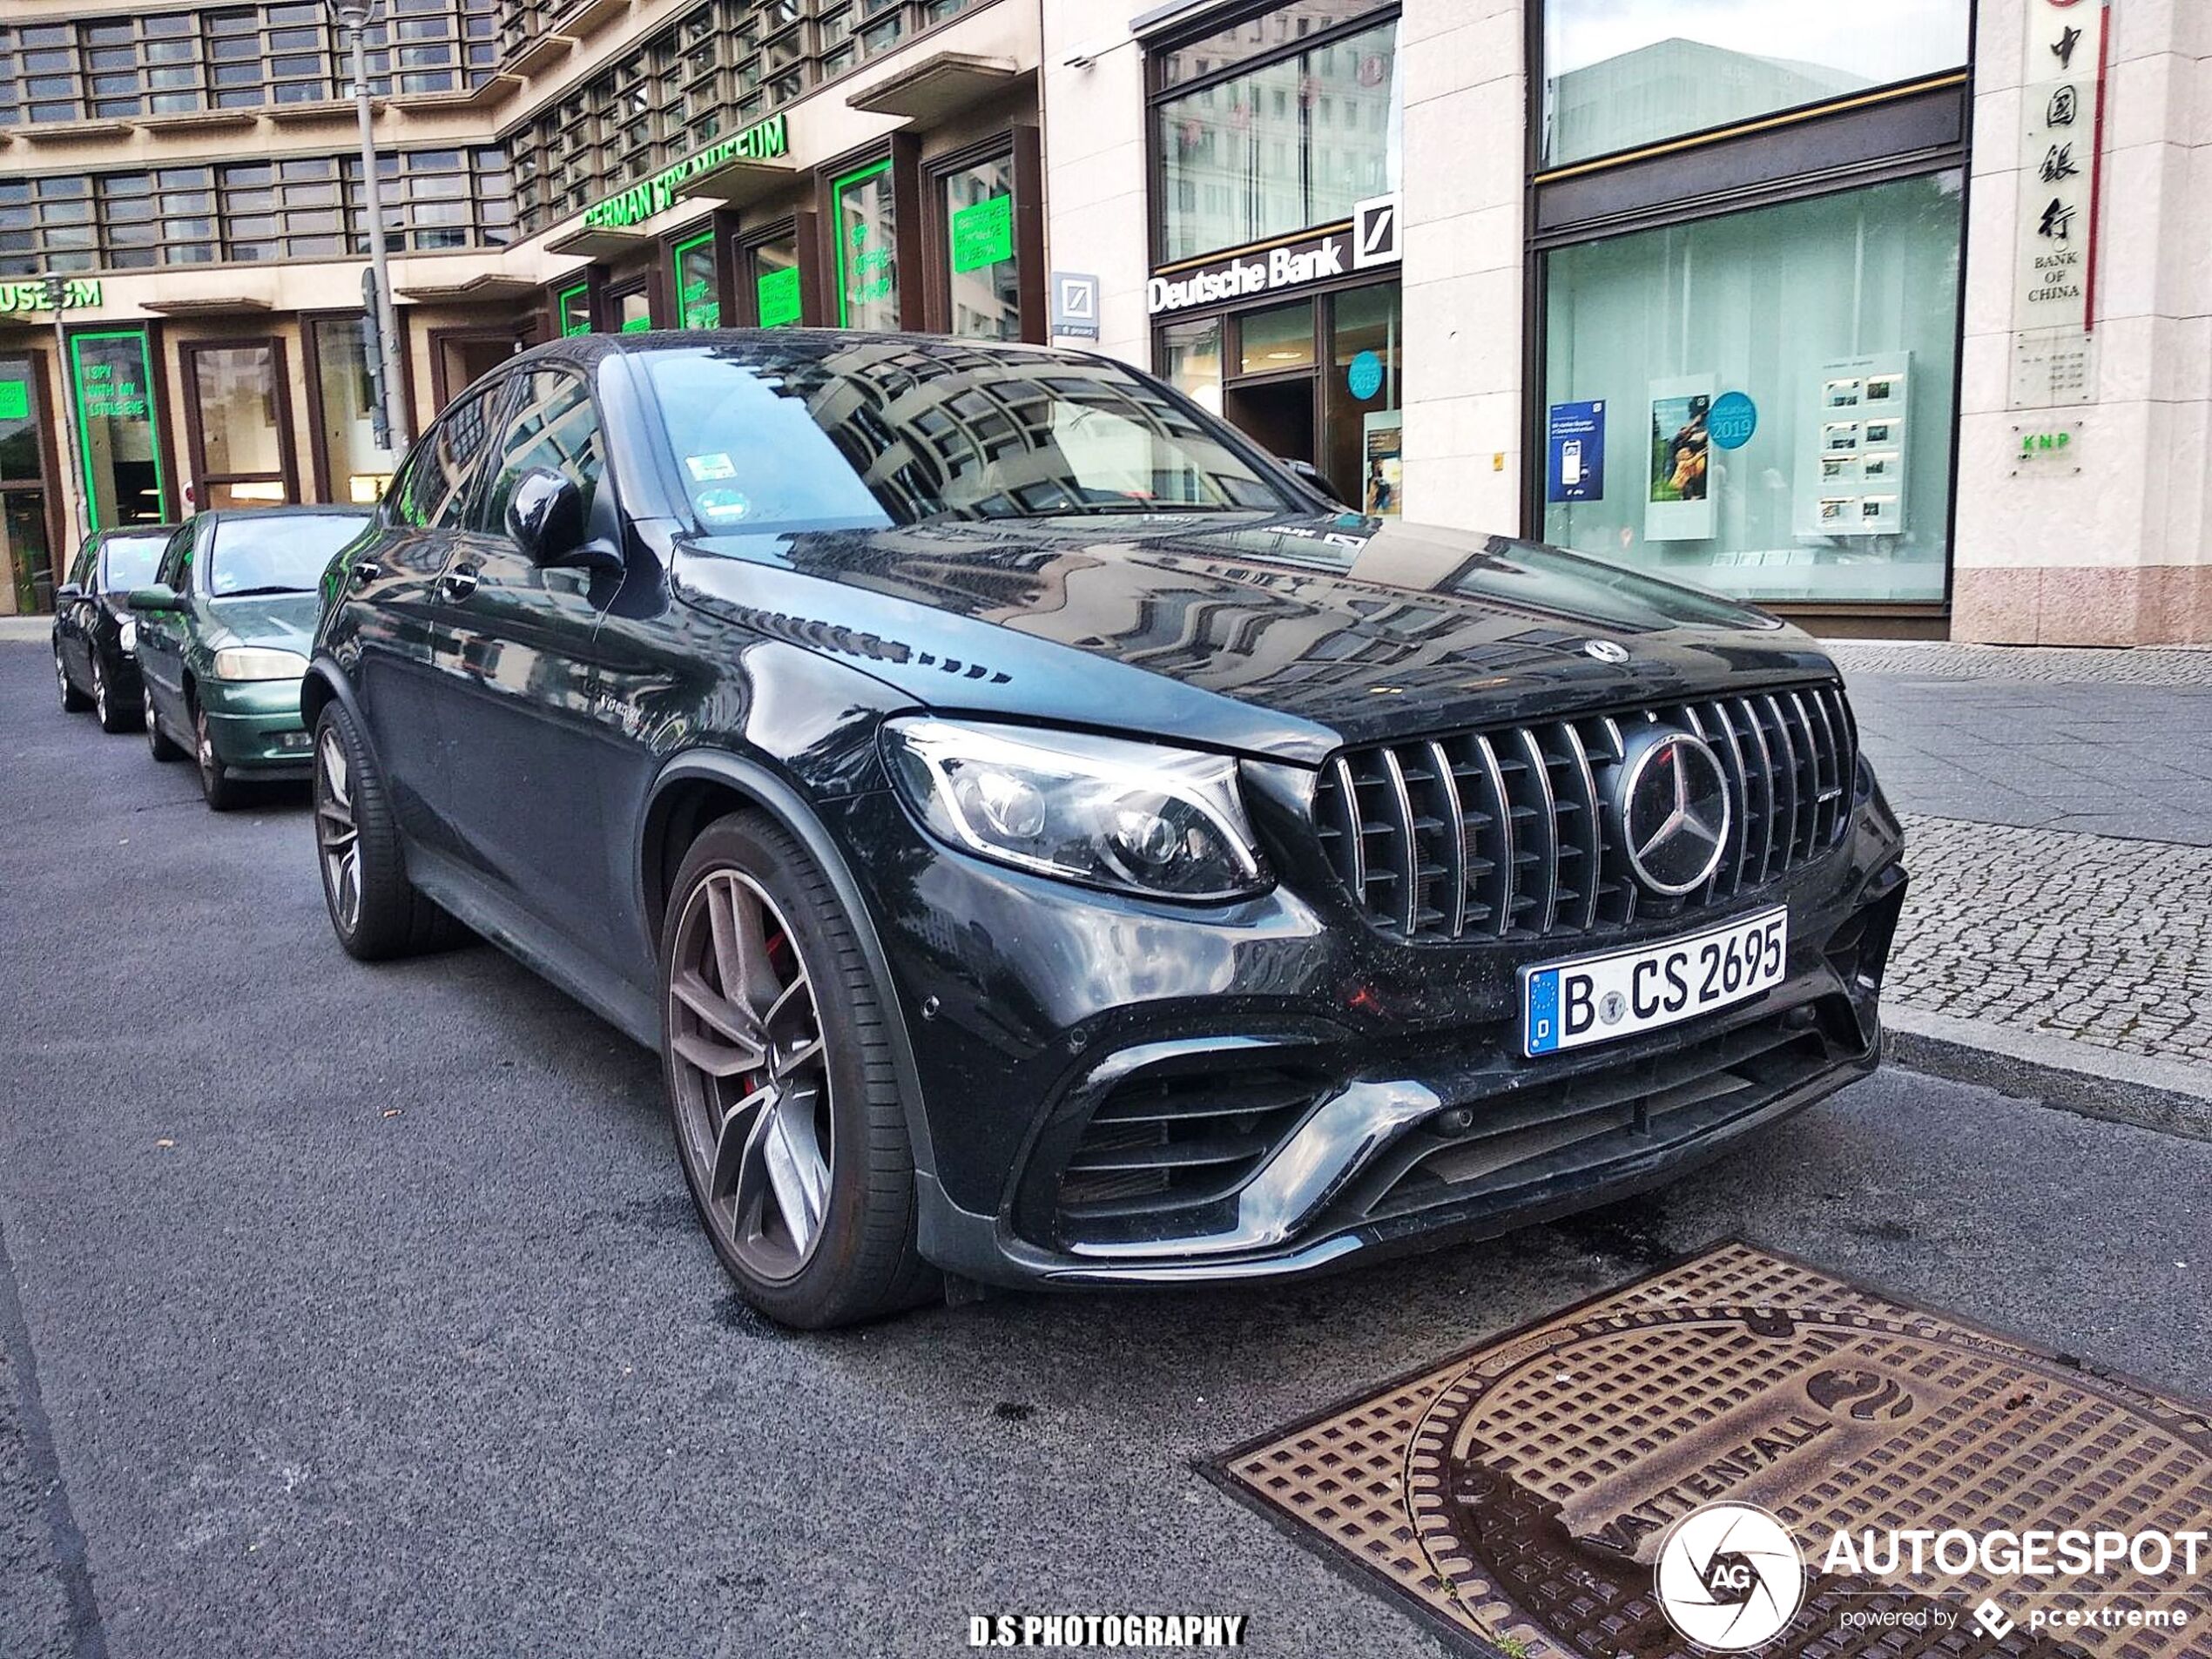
[365, 572]
[459, 582]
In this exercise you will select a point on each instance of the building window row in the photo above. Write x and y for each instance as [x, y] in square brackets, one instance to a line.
[235, 57]
[720, 66]
[301, 207]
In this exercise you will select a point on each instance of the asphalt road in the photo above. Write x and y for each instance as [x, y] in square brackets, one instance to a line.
[362, 1310]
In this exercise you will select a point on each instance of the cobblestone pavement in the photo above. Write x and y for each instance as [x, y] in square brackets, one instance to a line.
[2032, 664]
[2099, 940]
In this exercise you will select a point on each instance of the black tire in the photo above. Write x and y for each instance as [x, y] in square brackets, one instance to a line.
[73, 701]
[384, 917]
[218, 787]
[113, 716]
[865, 1263]
[156, 739]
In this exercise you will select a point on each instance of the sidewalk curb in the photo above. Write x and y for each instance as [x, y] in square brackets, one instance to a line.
[34, 628]
[2167, 1095]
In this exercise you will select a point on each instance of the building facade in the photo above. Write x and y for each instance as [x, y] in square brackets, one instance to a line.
[1898, 318]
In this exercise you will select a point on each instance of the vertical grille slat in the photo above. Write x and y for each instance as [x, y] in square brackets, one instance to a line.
[1511, 834]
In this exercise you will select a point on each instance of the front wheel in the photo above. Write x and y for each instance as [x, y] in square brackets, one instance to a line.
[156, 739]
[113, 716]
[221, 791]
[780, 1084]
[73, 701]
[375, 909]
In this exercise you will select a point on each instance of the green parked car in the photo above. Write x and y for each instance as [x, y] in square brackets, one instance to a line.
[224, 637]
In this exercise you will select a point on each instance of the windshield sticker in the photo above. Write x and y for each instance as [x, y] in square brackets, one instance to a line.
[722, 506]
[714, 466]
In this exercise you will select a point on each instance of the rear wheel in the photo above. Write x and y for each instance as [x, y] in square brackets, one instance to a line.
[156, 739]
[113, 717]
[222, 791]
[376, 910]
[780, 1084]
[73, 701]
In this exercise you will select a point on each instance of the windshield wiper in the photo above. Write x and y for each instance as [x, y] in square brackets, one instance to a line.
[256, 593]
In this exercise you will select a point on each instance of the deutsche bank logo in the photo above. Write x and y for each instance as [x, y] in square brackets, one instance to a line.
[1730, 1577]
[1374, 232]
[1075, 304]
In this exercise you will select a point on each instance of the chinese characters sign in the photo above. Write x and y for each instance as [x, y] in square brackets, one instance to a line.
[2062, 100]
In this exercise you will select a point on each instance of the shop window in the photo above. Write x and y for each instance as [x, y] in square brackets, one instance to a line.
[1190, 361]
[1276, 340]
[1618, 73]
[240, 448]
[1278, 146]
[573, 305]
[699, 300]
[26, 564]
[865, 218]
[774, 270]
[984, 282]
[1761, 404]
[356, 468]
[633, 310]
[117, 434]
[1362, 424]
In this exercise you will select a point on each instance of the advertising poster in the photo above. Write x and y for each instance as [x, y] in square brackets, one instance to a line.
[1574, 443]
[1381, 492]
[1679, 506]
[1852, 476]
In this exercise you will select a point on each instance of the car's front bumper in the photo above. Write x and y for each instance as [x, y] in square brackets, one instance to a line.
[254, 726]
[1061, 1036]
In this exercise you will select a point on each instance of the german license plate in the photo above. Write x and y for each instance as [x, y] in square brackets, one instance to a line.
[1601, 999]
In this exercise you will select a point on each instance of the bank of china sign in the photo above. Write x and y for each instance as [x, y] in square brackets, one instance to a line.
[763, 141]
[1371, 240]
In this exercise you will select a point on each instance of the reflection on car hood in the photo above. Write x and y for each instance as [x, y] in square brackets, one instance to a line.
[1285, 636]
[279, 621]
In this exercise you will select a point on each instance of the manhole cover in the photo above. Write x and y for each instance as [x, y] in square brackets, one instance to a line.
[1524, 1492]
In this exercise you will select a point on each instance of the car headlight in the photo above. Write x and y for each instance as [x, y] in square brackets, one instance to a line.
[258, 663]
[1134, 817]
[127, 634]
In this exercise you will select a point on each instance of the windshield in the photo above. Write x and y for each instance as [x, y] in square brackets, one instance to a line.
[278, 553]
[129, 561]
[874, 432]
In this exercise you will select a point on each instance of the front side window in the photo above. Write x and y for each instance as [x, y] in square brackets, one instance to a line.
[878, 432]
[275, 553]
[1278, 146]
[1620, 73]
[555, 429]
[436, 488]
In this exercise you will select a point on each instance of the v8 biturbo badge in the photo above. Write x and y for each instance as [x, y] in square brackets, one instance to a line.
[1746, 1454]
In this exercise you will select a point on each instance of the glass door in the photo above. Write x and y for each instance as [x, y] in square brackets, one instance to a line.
[26, 556]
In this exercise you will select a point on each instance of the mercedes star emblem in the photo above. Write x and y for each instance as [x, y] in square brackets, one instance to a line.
[1673, 812]
[1605, 651]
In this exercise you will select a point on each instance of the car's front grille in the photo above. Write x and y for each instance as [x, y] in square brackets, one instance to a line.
[1510, 833]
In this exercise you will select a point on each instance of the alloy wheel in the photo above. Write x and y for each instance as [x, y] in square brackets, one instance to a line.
[153, 726]
[61, 675]
[204, 748]
[750, 1069]
[337, 834]
[99, 692]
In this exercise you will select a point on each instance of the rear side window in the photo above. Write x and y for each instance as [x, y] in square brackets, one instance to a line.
[436, 488]
[555, 429]
[131, 561]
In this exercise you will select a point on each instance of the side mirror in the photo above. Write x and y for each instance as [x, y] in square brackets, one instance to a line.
[545, 516]
[67, 593]
[159, 596]
[1312, 477]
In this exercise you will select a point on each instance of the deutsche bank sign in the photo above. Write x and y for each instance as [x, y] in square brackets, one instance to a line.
[1240, 275]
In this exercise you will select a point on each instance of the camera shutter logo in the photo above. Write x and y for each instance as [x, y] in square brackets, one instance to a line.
[1730, 1577]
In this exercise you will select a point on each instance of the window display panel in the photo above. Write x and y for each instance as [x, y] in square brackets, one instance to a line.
[1618, 73]
[1281, 146]
[1776, 389]
[867, 250]
[979, 243]
[111, 382]
[357, 468]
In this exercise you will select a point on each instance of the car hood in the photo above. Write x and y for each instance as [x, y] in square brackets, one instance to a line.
[279, 621]
[1291, 636]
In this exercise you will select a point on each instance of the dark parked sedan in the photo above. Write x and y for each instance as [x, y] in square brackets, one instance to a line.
[1048, 843]
[96, 644]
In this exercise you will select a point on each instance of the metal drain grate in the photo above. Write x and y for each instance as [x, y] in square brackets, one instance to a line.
[1519, 1493]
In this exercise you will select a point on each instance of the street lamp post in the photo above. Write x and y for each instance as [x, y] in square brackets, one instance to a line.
[355, 15]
